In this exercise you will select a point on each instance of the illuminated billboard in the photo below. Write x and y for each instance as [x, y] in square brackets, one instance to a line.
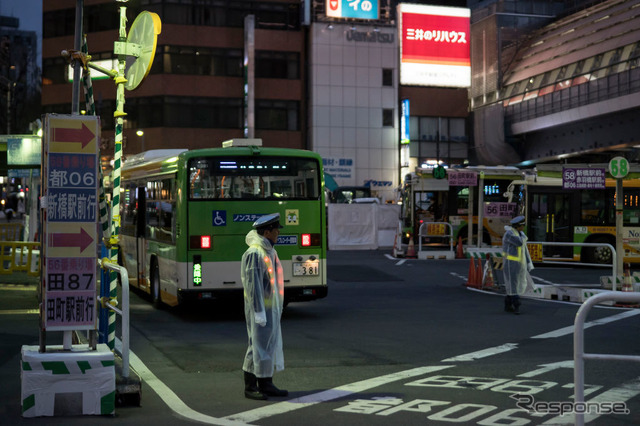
[434, 45]
[360, 9]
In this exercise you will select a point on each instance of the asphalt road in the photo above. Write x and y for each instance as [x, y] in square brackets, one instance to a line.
[395, 342]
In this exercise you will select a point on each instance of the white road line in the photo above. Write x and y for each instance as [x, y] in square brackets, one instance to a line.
[620, 394]
[569, 330]
[20, 311]
[483, 353]
[335, 393]
[18, 287]
[169, 397]
[181, 409]
[388, 256]
[401, 262]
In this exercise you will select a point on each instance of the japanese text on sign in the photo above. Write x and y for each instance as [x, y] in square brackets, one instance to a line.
[70, 308]
[436, 35]
[361, 9]
[71, 273]
[436, 229]
[497, 209]
[535, 251]
[462, 178]
[583, 178]
[70, 185]
[247, 217]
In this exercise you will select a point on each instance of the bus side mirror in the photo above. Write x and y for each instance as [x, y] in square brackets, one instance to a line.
[141, 214]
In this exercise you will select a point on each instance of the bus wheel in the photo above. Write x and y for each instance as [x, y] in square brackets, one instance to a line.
[156, 300]
[600, 255]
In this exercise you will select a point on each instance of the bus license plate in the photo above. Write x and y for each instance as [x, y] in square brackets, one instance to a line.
[305, 268]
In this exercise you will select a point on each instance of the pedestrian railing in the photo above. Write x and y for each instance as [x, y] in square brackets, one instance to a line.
[578, 344]
[614, 270]
[108, 303]
[435, 229]
[20, 256]
[11, 231]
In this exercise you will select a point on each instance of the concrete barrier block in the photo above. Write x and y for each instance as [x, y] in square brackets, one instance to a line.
[67, 383]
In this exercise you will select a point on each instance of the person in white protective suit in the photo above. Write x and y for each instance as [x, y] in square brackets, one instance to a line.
[517, 264]
[263, 282]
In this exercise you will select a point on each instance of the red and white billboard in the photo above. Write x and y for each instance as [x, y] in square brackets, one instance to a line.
[434, 45]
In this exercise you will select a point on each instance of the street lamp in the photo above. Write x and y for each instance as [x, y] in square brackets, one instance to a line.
[140, 133]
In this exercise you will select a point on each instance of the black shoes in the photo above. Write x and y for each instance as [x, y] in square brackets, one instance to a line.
[251, 390]
[267, 387]
[259, 389]
[512, 304]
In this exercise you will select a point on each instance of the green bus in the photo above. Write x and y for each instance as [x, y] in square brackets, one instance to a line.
[185, 215]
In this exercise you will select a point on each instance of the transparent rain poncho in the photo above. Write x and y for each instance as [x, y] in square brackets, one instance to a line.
[517, 262]
[263, 282]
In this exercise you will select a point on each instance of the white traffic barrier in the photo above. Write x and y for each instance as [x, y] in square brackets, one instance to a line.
[76, 382]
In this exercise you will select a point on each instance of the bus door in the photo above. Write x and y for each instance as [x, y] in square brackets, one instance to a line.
[141, 228]
[550, 220]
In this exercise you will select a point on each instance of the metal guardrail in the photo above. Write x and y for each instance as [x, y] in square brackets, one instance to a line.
[450, 235]
[578, 343]
[614, 263]
[106, 263]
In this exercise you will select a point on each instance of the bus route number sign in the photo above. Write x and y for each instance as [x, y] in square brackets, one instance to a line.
[619, 167]
[439, 172]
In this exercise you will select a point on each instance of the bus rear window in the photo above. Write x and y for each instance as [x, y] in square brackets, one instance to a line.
[250, 178]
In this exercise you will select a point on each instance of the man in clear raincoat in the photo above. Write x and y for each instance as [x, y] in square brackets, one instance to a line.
[517, 264]
[263, 282]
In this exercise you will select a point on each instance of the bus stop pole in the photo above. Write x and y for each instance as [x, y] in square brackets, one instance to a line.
[619, 224]
[119, 114]
[480, 207]
[470, 221]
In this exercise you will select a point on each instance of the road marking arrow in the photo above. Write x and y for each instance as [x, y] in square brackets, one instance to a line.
[483, 353]
[83, 135]
[547, 367]
[81, 240]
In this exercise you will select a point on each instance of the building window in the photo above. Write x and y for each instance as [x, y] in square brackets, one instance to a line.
[431, 129]
[387, 118]
[270, 64]
[104, 17]
[190, 60]
[277, 115]
[387, 77]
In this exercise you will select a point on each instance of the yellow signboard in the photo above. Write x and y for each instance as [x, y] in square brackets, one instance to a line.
[293, 217]
[436, 228]
[535, 250]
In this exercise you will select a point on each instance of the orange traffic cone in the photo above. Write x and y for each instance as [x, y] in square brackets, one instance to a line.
[411, 250]
[626, 280]
[459, 251]
[396, 250]
[487, 277]
[479, 274]
[471, 279]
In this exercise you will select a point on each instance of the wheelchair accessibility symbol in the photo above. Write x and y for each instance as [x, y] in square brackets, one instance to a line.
[219, 218]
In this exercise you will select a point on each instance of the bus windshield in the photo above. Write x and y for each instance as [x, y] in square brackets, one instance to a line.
[248, 178]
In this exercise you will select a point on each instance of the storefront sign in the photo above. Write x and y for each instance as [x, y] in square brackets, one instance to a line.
[434, 45]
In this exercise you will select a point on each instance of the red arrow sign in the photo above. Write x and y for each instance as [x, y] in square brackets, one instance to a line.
[83, 135]
[333, 4]
[81, 240]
